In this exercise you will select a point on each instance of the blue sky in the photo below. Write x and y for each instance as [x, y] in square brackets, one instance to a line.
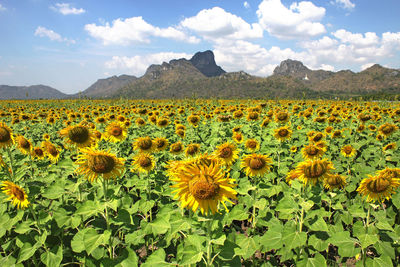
[70, 44]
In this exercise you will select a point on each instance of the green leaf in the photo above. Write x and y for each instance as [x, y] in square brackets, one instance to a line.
[318, 243]
[55, 191]
[345, 243]
[190, 255]
[77, 242]
[160, 226]
[88, 208]
[131, 259]
[367, 239]
[23, 227]
[317, 261]
[88, 239]
[51, 259]
[27, 251]
[382, 261]
[319, 225]
[220, 240]
[385, 248]
[197, 241]
[384, 225]
[294, 239]
[272, 239]
[157, 258]
[247, 246]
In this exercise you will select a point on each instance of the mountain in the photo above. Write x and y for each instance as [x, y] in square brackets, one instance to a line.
[107, 87]
[205, 63]
[296, 69]
[30, 92]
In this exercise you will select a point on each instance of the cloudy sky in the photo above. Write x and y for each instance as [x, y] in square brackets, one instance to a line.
[69, 45]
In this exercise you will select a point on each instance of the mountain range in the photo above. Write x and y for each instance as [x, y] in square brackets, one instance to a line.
[202, 77]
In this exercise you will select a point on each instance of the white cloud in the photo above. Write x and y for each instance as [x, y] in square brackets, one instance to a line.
[300, 20]
[327, 67]
[246, 5]
[366, 66]
[43, 32]
[66, 9]
[2, 8]
[137, 65]
[357, 39]
[346, 4]
[215, 24]
[134, 30]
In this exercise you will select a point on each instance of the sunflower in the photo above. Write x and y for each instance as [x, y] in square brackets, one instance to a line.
[140, 122]
[391, 146]
[51, 151]
[265, 123]
[193, 120]
[252, 116]
[292, 175]
[93, 163]
[143, 163]
[78, 135]
[315, 136]
[192, 149]
[238, 137]
[348, 151]
[227, 152]
[24, 145]
[46, 136]
[334, 181]
[256, 164]
[337, 134]
[312, 171]
[160, 143]
[252, 145]
[115, 132]
[144, 144]
[101, 120]
[203, 187]
[385, 129]
[38, 153]
[15, 194]
[378, 188]
[281, 117]
[181, 133]
[283, 133]
[176, 148]
[293, 149]
[312, 151]
[6, 136]
[162, 122]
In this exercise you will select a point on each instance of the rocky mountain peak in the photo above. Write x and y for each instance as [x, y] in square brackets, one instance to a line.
[205, 63]
[289, 66]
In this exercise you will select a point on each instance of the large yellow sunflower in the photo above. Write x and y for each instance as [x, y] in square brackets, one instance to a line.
[313, 171]
[334, 181]
[143, 162]
[6, 136]
[386, 129]
[227, 152]
[93, 163]
[378, 188]
[115, 132]
[283, 133]
[78, 135]
[312, 151]
[256, 164]
[200, 186]
[160, 143]
[15, 194]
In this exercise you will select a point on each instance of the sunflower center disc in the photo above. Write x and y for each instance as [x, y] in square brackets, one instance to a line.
[101, 163]
[18, 193]
[315, 170]
[176, 148]
[160, 143]
[116, 131]
[379, 185]
[52, 150]
[282, 116]
[145, 162]
[257, 163]
[283, 132]
[145, 144]
[225, 153]
[203, 189]
[348, 149]
[333, 180]
[4, 135]
[78, 134]
[387, 129]
[192, 150]
[312, 151]
[39, 152]
[252, 144]
[317, 137]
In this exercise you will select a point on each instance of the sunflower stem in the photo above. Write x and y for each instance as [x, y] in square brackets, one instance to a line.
[36, 218]
[254, 208]
[31, 161]
[11, 163]
[105, 184]
[209, 244]
[368, 216]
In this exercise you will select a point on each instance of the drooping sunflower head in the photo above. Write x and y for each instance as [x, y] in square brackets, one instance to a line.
[144, 144]
[24, 145]
[238, 137]
[6, 136]
[192, 150]
[256, 164]
[281, 117]
[312, 151]
[313, 171]
[386, 129]
[140, 122]
[203, 187]
[315, 136]
[38, 153]
[227, 153]
[93, 164]
[181, 133]
[334, 181]
[391, 146]
[51, 151]
[378, 188]
[143, 162]
[194, 120]
[176, 148]
[15, 194]
[292, 175]
[348, 151]
[115, 132]
[162, 122]
[283, 133]
[265, 123]
[79, 135]
[337, 134]
[252, 116]
[390, 173]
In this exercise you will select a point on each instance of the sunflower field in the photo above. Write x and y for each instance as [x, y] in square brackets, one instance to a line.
[199, 183]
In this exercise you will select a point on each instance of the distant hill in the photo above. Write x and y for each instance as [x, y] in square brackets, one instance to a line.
[202, 77]
[30, 92]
